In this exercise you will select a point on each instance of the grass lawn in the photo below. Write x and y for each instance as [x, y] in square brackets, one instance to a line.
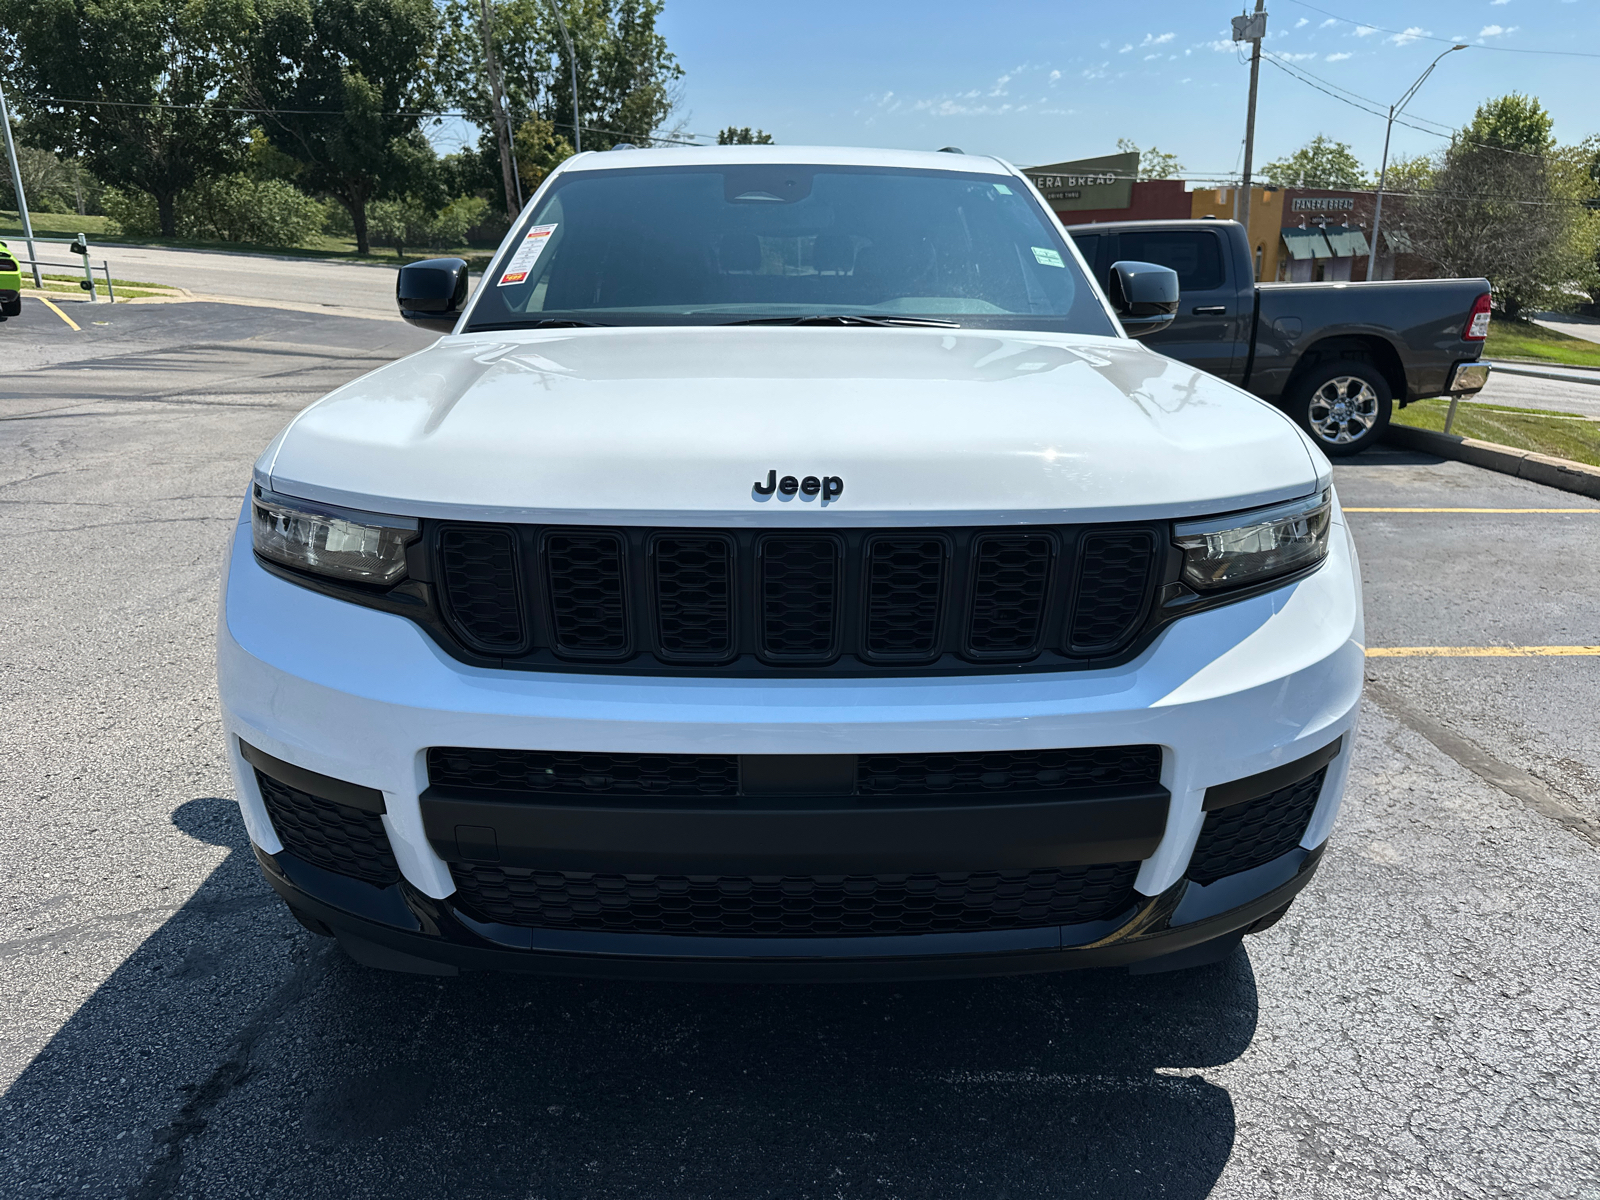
[1558, 434]
[101, 243]
[127, 289]
[1524, 339]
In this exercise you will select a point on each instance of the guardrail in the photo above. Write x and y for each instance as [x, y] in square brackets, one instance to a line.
[80, 246]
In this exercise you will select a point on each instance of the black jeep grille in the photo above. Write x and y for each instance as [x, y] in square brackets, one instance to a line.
[541, 773]
[1243, 836]
[847, 601]
[587, 615]
[480, 586]
[799, 598]
[333, 836]
[694, 596]
[794, 906]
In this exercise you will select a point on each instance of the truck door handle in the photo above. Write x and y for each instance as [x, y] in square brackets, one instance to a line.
[1210, 310]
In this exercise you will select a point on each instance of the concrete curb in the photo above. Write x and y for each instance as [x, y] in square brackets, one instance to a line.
[1553, 472]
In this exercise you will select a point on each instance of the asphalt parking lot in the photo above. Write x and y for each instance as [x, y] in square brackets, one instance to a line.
[1422, 1024]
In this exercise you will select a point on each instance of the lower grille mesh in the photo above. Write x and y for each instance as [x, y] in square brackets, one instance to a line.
[794, 906]
[1243, 836]
[336, 837]
[1007, 770]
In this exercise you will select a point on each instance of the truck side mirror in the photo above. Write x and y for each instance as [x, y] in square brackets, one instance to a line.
[431, 293]
[1144, 295]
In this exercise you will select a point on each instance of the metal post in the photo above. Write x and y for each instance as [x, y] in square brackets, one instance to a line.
[1383, 175]
[572, 61]
[110, 287]
[1450, 417]
[16, 182]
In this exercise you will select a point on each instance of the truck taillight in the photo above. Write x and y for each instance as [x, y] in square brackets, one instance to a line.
[1477, 321]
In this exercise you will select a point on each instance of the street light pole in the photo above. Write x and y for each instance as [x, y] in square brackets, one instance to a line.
[1383, 172]
[16, 182]
[572, 61]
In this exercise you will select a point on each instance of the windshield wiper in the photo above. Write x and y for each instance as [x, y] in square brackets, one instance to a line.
[545, 323]
[848, 319]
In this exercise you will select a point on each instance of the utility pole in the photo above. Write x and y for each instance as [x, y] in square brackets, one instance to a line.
[502, 119]
[572, 61]
[1250, 27]
[1395, 110]
[16, 182]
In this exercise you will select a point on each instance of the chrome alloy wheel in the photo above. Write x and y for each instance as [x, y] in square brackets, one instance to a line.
[1343, 410]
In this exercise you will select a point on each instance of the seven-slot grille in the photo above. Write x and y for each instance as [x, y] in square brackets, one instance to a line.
[744, 601]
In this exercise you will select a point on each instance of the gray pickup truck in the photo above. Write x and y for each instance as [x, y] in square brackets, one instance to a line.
[1334, 356]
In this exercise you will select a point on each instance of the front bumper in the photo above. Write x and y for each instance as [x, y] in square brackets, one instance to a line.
[359, 696]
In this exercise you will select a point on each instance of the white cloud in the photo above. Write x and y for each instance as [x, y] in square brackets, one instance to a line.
[1329, 21]
[1493, 3]
[1298, 57]
[1340, 57]
[1054, 75]
[1148, 57]
[1304, 21]
[1126, 48]
[1411, 34]
[1221, 45]
[1489, 31]
[1365, 31]
[1151, 39]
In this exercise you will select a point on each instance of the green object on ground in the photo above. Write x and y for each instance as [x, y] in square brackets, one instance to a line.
[10, 282]
[1562, 435]
[1524, 339]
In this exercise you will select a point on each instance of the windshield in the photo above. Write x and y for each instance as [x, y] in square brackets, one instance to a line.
[721, 244]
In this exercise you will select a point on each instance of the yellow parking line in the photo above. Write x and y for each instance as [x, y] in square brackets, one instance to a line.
[1483, 651]
[60, 314]
[1476, 510]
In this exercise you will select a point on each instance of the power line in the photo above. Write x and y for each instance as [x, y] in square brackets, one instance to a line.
[331, 112]
[1378, 112]
[1428, 37]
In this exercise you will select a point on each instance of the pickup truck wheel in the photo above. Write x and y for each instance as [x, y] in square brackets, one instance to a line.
[1344, 405]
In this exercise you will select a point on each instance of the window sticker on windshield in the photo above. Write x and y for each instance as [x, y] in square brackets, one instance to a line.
[527, 254]
[1002, 189]
[1048, 258]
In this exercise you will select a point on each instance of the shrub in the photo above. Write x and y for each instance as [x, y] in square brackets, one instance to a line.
[229, 208]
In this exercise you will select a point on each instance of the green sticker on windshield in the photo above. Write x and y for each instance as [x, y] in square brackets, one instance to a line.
[1002, 189]
[1048, 258]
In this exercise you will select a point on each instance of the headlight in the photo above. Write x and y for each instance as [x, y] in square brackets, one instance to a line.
[336, 542]
[1256, 546]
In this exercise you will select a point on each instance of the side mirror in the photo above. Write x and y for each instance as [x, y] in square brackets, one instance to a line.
[1144, 295]
[431, 293]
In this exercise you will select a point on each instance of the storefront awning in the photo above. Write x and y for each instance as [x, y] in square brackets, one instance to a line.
[1306, 243]
[1347, 241]
[1398, 241]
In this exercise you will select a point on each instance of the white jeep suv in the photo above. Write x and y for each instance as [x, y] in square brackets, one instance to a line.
[786, 564]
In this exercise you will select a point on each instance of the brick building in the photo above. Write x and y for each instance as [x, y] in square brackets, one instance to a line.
[1299, 235]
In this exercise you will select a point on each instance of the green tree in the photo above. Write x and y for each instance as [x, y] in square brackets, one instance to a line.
[733, 135]
[153, 79]
[1410, 175]
[1320, 163]
[627, 78]
[346, 81]
[1507, 203]
[1153, 163]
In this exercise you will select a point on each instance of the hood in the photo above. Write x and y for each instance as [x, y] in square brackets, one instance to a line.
[678, 425]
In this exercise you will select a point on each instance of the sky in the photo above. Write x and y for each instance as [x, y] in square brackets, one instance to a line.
[1038, 83]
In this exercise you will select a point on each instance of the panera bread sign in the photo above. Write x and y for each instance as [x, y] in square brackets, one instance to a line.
[1087, 183]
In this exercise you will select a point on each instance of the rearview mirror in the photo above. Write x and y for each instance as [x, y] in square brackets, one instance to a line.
[431, 293]
[1144, 295]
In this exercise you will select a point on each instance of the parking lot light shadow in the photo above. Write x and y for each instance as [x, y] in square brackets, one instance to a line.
[233, 1054]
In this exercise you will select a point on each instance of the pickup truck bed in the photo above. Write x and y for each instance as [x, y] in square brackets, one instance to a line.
[1336, 356]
